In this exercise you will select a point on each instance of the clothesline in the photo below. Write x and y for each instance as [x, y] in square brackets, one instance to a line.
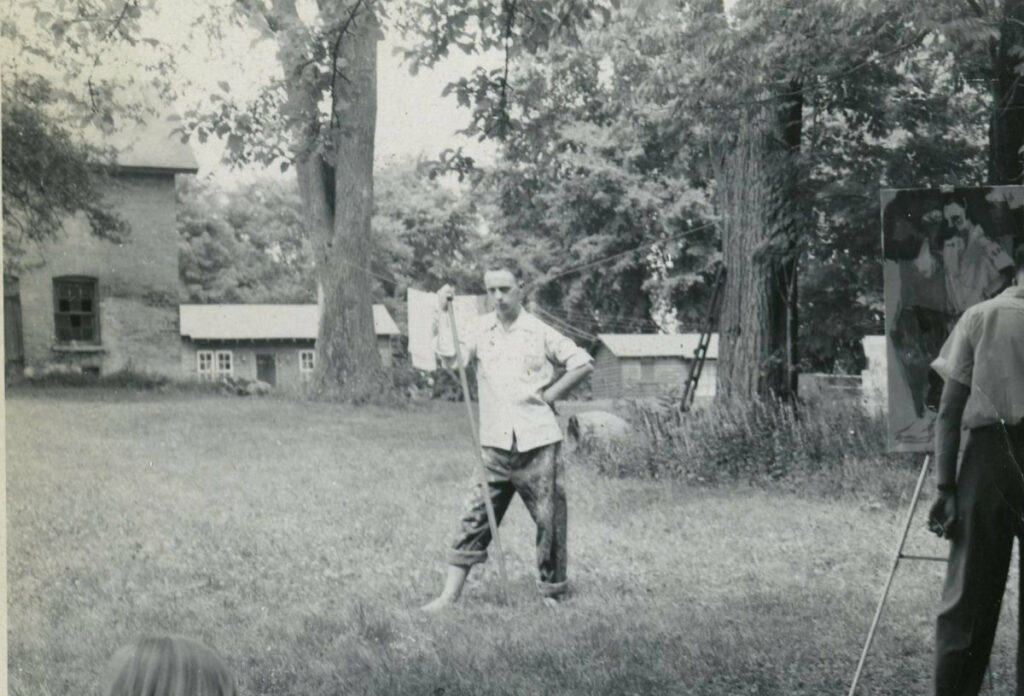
[563, 272]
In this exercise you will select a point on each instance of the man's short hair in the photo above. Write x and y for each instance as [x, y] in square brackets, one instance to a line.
[506, 263]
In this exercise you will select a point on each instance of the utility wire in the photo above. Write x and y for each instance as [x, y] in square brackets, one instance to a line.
[597, 262]
[565, 326]
[602, 327]
[612, 323]
[565, 272]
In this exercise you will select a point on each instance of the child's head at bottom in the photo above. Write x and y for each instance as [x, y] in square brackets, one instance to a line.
[168, 666]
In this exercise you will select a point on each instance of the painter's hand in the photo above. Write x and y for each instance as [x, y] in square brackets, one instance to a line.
[942, 516]
[445, 295]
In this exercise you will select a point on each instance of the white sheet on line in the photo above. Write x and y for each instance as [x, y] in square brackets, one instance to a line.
[421, 306]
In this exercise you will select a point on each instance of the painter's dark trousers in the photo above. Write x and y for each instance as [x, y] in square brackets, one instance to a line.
[990, 502]
[536, 476]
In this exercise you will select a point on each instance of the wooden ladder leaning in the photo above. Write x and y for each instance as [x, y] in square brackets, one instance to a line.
[701, 353]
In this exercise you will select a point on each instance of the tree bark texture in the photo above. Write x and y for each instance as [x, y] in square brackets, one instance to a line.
[1006, 126]
[348, 363]
[335, 176]
[759, 204]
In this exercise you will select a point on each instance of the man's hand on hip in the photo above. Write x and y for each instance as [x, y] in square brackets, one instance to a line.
[549, 398]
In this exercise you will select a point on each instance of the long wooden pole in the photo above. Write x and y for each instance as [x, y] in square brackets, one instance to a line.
[492, 520]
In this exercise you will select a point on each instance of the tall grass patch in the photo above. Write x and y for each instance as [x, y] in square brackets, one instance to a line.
[824, 448]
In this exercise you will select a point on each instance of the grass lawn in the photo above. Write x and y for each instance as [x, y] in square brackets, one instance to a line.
[299, 539]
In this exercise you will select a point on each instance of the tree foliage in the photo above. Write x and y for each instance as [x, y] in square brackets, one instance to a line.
[246, 242]
[48, 177]
[70, 69]
[243, 245]
[425, 232]
[583, 181]
[619, 137]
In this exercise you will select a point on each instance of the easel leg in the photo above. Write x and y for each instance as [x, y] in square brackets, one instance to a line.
[892, 573]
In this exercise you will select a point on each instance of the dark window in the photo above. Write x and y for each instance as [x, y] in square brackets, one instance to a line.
[75, 314]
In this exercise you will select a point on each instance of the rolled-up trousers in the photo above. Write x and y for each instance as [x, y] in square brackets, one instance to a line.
[536, 476]
[990, 504]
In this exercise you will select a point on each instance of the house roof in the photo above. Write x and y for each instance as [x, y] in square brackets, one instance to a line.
[657, 345]
[264, 321]
[151, 145]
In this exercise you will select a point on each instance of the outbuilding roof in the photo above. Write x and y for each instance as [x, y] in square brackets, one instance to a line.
[264, 321]
[152, 145]
[682, 345]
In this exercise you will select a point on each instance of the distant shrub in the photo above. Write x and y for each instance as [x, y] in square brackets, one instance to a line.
[124, 379]
[832, 448]
[128, 380]
[441, 384]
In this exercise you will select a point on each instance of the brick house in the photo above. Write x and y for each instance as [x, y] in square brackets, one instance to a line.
[101, 306]
[639, 365]
[272, 343]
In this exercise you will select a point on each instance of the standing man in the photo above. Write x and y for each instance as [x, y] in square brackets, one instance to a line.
[515, 356]
[980, 510]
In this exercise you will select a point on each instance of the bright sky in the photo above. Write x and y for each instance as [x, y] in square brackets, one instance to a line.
[412, 117]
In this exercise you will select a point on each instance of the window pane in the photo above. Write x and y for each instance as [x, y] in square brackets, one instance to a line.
[75, 310]
[63, 330]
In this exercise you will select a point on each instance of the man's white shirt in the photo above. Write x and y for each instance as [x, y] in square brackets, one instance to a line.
[513, 366]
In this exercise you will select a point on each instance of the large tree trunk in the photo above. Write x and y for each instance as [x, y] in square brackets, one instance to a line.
[1006, 126]
[339, 194]
[335, 175]
[758, 200]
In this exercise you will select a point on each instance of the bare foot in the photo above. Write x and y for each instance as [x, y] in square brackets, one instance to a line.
[439, 604]
[550, 602]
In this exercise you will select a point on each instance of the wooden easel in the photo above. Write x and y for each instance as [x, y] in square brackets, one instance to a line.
[897, 557]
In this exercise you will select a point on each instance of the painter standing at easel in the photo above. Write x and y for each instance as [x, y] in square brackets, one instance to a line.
[515, 356]
[981, 509]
